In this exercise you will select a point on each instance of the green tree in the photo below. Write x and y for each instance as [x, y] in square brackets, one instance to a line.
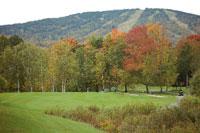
[66, 66]
[159, 68]
[113, 49]
[9, 41]
[43, 68]
[12, 68]
[102, 69]
[24, 66]
[188, 57]
[148, 71]
[4, 41]
[96, 41]
[14, 40]
[29, 57]
[184, 63]
[86, 59]
[125, 78]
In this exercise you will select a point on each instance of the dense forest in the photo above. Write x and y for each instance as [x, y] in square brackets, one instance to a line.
[82, 25]
[143, 55]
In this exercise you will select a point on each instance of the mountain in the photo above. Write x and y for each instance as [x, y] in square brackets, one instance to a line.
[82, 25]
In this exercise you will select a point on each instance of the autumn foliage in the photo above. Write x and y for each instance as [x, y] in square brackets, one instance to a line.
[116, 35]
[139, 43]
[144, 54]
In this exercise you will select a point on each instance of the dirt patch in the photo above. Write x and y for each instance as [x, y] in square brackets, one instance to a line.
[156, 96]
[133, 94]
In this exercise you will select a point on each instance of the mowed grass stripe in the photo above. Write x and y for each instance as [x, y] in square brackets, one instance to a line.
[24, 112]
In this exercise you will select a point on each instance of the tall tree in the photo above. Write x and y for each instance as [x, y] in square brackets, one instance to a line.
[163, 57]
[43, 68]
[138, 45]
[66, 65]
[188, 57]
[11, 68]
[113, 48]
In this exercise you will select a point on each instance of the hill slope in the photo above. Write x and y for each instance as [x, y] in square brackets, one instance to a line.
[85, 24]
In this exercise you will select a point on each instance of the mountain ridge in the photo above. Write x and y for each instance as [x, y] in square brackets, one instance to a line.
[82, 25]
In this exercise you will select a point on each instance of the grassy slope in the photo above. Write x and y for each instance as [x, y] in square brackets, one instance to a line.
[26, 121]
[25, 112]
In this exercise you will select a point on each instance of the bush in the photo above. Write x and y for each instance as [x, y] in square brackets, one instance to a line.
[113, 89]
[94, 109]
[185, 128]
[57, 111]
[82, 114]
[195, 84]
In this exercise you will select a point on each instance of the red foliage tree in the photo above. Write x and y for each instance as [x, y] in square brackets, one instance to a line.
[194, 37]
[139, 44]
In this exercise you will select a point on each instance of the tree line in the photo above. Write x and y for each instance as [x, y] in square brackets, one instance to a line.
[143, 55]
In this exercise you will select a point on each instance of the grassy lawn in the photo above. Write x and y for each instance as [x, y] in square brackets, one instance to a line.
[24, 112]
[139, 88]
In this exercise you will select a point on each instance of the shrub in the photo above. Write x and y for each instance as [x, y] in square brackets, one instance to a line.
[131, 123]
[113, 89]
[183, 127]
[94, 109]
[195, 84]
[191, 107]
[57, 111]
[84, 114]
[107, 125]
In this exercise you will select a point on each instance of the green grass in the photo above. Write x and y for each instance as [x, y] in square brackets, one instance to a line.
[26, 121]
[24, 112]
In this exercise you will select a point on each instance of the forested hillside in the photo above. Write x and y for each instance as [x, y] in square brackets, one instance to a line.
[82, 25]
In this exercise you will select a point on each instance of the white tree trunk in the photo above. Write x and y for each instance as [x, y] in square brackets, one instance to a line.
[187, 80]
[42, 87]
[18, 86]
[53, 88]
[62, 86]
[103, 82]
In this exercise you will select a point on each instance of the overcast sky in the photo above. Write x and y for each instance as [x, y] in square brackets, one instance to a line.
[19, 11]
